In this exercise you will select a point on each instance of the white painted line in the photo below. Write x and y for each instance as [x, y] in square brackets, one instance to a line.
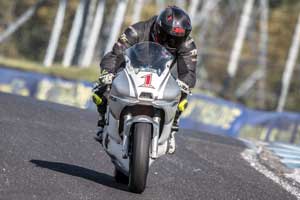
[286, 146]
[250, 156]
[290, 161]
[288, 156]
[277, 150]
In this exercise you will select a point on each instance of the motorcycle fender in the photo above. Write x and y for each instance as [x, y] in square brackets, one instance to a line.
[165, 133]
[142, 118]
[113, 128]
[139, 119]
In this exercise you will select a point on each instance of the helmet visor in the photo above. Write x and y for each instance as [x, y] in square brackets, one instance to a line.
[168, 40]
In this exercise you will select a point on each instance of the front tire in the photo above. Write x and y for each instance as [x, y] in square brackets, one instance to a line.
[139, 159]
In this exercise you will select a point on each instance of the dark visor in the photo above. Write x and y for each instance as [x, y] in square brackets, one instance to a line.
[170, 40]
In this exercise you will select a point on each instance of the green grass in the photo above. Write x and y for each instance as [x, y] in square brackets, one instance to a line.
[73, 72]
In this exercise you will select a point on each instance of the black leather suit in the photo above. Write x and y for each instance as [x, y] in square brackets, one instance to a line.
[186, 58]
[186, 54]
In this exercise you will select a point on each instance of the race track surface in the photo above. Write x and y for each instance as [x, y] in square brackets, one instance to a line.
[47, 151]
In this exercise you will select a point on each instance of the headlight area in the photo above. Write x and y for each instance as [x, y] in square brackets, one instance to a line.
[125, 100]
[162, 103]
[155, 103]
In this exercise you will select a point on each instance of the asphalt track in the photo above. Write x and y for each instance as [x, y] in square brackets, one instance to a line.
[47, 151]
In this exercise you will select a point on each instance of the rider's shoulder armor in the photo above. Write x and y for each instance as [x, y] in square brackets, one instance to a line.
[135, 33]
[130, 35]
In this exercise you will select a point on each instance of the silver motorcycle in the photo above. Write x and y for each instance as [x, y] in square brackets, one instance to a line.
[142, 103]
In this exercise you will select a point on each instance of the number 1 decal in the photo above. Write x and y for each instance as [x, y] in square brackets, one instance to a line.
[148, 80]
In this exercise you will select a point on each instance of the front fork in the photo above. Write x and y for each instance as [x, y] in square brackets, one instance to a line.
[128, 122]
[155, 137]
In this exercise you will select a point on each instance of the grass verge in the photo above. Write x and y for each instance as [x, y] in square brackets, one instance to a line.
[73, 72]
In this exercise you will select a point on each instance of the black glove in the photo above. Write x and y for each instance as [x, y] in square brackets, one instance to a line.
[183, 87]
[106, 78]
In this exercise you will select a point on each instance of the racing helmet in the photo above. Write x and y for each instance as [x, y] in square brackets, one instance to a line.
[172, 27]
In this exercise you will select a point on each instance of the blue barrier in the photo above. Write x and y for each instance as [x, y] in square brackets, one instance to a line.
[213, 115]
[218, 116]
[204, 113]
[44, 87]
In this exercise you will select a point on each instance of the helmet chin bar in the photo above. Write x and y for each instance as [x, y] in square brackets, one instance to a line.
[171, 42]
[175, 42]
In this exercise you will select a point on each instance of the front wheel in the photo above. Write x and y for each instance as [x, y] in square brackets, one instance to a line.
[139, 159]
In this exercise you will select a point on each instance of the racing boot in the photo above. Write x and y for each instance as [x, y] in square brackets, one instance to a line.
[101, 107]
[171, 143]
[101, 124]
[175, 128]
[175, 125]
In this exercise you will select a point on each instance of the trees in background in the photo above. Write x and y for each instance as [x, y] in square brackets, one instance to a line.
[89, 23]
[55, 34]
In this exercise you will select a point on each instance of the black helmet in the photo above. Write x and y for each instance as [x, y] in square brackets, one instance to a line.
[172, 27]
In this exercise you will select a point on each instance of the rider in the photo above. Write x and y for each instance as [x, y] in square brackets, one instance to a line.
[170, 29]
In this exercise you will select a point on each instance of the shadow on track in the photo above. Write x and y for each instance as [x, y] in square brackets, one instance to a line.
[81, 172]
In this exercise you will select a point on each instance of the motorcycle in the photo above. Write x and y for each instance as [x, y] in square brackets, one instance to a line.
[142, 103]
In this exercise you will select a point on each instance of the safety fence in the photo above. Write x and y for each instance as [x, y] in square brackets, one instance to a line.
[288, 154]
[218, 116]
[44, 87]
[204, 113]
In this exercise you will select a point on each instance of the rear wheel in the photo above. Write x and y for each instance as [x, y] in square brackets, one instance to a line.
[139, 159]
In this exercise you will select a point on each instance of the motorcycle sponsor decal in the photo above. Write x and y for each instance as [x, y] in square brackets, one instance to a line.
[148, 80]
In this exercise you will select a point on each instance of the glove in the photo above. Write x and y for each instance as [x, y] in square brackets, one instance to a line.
[183, 86]
[106, 78]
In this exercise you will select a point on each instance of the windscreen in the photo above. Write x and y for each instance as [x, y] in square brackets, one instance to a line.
[148, 56]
